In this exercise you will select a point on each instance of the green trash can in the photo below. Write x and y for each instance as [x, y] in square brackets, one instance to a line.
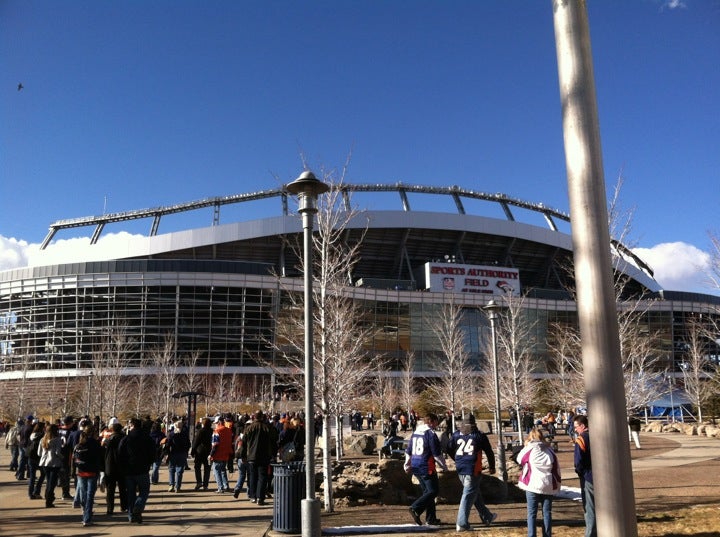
[288, 492]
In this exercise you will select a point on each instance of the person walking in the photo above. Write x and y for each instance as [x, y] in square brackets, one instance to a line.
[35, 483]
[136, 453]
[634, 425]
[114, 471]
[422, 456]
[220, 453]
[158, 437]
[12, 442]
[241, 464]
[178, 445]
[199, 452]
[65, 429]
[258, 449]
[51, 460]
[583, 468]
[540, 479]
[87, 457]
[466, 448]
[23, 440]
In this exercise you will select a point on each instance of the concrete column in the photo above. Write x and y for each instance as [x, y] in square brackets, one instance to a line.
[612, 471]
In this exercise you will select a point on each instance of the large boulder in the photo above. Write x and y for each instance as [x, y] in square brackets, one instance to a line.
[386, 483]
[362, 444]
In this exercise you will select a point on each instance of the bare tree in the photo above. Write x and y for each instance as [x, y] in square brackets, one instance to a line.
[142, 383]
[109, 362]
[453, 360]
[516, 336]
[191, 376]
[698, 368]
[341, 332]
[567, 384]
[381, 387]
[165, 361]
[638, 352]
[407, 381]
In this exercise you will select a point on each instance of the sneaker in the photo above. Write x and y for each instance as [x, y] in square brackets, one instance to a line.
[171, 489]
[415, 517]
[489, 520]
[236, 493]
[87, 524]
[433, 522]
[198, 487]
[463, 528]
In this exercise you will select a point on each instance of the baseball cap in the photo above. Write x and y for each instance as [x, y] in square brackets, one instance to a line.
[113, 421]
[218, 419]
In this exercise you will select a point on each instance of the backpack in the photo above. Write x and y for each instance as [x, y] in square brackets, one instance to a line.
[81, 456]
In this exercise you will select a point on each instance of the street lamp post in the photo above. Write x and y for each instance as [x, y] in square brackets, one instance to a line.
[307, 187]
[493, 309]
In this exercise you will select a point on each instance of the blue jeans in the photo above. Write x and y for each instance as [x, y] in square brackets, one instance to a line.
[87, 486]
[22, 464]
[588, 496]
[471, 497]
[14, 454]
[175, 473]
[533, 499]
[34, 483]
[156, 472]
[138, 490]
[430, 486]
[242, 473]
[220, 473]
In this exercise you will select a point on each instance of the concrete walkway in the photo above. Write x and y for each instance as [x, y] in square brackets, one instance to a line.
[186, 514]
[692, 449]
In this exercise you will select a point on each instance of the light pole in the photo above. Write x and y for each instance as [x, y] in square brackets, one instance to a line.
[307, 188]
[493, 309]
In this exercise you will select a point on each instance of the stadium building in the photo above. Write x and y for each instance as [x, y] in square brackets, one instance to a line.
[216, 291]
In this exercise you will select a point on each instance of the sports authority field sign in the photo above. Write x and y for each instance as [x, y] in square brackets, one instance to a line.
[455, 278]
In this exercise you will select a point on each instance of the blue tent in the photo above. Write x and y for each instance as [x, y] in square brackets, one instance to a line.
[676, 404]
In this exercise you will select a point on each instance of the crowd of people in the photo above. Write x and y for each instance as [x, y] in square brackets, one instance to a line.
[123, 461]
[126, 459]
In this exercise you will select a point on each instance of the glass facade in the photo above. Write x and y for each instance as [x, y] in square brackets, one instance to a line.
[59, 321]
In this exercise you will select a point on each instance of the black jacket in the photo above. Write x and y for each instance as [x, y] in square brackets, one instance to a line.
[137, 452]
[201, 443]
[113, 468]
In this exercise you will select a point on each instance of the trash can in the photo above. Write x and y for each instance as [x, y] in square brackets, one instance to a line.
[288, 492]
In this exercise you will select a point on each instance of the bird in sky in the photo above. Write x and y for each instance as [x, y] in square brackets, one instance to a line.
[20, 86]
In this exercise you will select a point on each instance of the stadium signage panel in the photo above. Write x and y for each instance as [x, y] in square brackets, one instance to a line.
[456, 278]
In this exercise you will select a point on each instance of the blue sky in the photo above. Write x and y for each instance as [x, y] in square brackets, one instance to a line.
[130, 104]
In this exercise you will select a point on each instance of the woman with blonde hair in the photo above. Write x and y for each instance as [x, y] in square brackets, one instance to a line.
[51, 460]
[539, 478]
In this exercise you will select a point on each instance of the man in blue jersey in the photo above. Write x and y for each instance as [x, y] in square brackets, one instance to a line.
[466, 448]
[422, 456]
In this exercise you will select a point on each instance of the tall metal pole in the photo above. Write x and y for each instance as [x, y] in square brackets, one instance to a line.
[307, 187]
[604, 386]
[492, 309]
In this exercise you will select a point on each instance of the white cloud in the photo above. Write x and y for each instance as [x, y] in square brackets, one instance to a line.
[19, 253]
[678, 266]
[673, 4]
[15, 253]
